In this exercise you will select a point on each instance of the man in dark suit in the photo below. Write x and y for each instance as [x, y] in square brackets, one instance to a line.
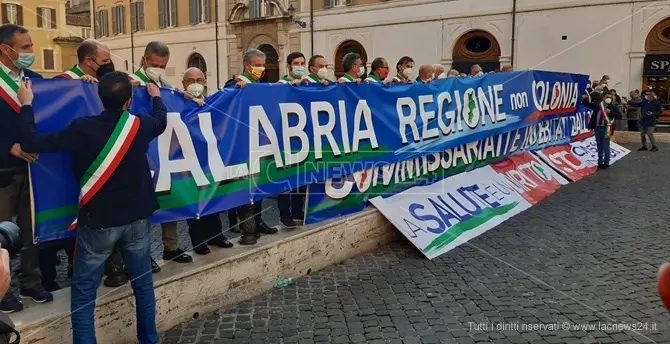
[16, 56]
[651, 110]
[605, 112]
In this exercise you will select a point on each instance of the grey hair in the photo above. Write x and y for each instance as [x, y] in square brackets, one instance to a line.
[157, 48]
[454, 72]
[251, 53]
[190, 69]
[348, 61]
[476, 66]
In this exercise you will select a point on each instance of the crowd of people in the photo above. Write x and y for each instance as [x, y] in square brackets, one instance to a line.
[640, 113]
[113, 234]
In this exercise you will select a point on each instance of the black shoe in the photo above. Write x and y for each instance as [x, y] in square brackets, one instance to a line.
[38, 295]
[220, 242]
[155, 268]
[248, 239]
[263, 228]
[115, 280]
[178, 256]
[606, 166]
[50, 286]
[11, 304]
[288, 222]
[654, 149]
[201, 249]
[643, 148]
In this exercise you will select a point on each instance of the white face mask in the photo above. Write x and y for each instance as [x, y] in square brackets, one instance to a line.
[407, 72]
[442, 76]
[608, 100]
[322, 73]
[361, 71]
[155, 73]
[298, 71]
[195, 89]
[480, 73]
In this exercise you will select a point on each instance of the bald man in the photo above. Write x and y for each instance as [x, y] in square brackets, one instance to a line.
[439, 71]
[93, 62]
[194, 83]
[426, 73]
[453, 74]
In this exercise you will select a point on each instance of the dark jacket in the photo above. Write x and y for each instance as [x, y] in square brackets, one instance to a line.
[129, 193]
[595, 106]
[634, 108]
[8, 137]
[651, 110]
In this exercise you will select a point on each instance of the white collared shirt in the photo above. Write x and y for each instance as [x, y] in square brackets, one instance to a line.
[17, 78]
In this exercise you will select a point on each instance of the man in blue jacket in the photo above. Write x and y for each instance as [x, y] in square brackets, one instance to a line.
[605, 112]
[116, 198]
[16, 56]
[651, 110]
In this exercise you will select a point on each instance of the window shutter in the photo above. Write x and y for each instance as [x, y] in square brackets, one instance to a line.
[133, 17]
[192, 12]
[39, 17]
[161, 14]
[5, 15]
[206, 9]
[123, 19]
[48, 56]
[19, 14]
[140, 9]
[54, 24]
[327, 4]
[173, 12]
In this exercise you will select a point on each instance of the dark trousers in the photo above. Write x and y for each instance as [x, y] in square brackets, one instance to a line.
[49, 258]
[291, 204]
[205, 229]
[15, 202]
[603, 144]
[246, 216]
[633, 125]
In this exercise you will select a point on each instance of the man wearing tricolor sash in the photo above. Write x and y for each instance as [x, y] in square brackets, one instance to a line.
[318, 71]
[93, 62]
[16, 56]
[117, 195]
[295, 65]
[379, 71]
[404, 69]
[602, 122]
[353, 67]
[251, 223]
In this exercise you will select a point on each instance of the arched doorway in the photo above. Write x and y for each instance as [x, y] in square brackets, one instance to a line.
[196, 60]
[346, 47]
[476, 47]
[271, 63]
[657, 63]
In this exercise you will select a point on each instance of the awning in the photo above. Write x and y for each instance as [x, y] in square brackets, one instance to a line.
[657, 65]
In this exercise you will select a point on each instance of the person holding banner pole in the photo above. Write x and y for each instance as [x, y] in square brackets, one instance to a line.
[206, 229]
[117, 196]
[354, 69]
[379, 71]
[16, 56]
[605, 112]
[295, 65]
[250, 216]
[404, 70]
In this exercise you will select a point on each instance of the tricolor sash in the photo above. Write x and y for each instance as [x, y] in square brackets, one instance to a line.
[74, 73]
[373, 78]
[347, 78]
[285, 80]
[104, 165]
[398, 78]
[141, 77]
[609, 123]
[246, 78]
[9, 90]
[312, 78]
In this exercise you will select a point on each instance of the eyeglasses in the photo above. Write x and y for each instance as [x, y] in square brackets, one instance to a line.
[191, 81]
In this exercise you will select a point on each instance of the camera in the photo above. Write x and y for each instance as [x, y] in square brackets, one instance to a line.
[9, 237]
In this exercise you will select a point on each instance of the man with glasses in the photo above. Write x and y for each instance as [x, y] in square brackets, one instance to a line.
[379, 71]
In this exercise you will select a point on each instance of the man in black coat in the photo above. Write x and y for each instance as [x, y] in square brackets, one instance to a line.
[605, 112]
[651, 110]
[16, 56]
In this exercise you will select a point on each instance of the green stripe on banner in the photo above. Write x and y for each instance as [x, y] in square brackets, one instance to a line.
[185, 192]
[457, 230]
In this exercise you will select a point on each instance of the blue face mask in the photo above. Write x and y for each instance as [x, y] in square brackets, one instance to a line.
[24, 60]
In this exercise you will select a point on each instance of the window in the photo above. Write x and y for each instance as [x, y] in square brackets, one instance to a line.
[102, 23]
[118, 20]
[137, 16]
[12, 14]
[46, 17]
[85, 33]
[478, 44]
[336, 3]
[167, 13]
[48, 59]
[198, 11]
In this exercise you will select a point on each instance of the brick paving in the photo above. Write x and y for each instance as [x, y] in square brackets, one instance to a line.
[588, 255]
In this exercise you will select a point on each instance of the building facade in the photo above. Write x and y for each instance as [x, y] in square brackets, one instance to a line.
[53, 37]
[628, 40]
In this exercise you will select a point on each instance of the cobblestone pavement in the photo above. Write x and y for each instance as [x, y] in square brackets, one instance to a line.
[587, 256]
